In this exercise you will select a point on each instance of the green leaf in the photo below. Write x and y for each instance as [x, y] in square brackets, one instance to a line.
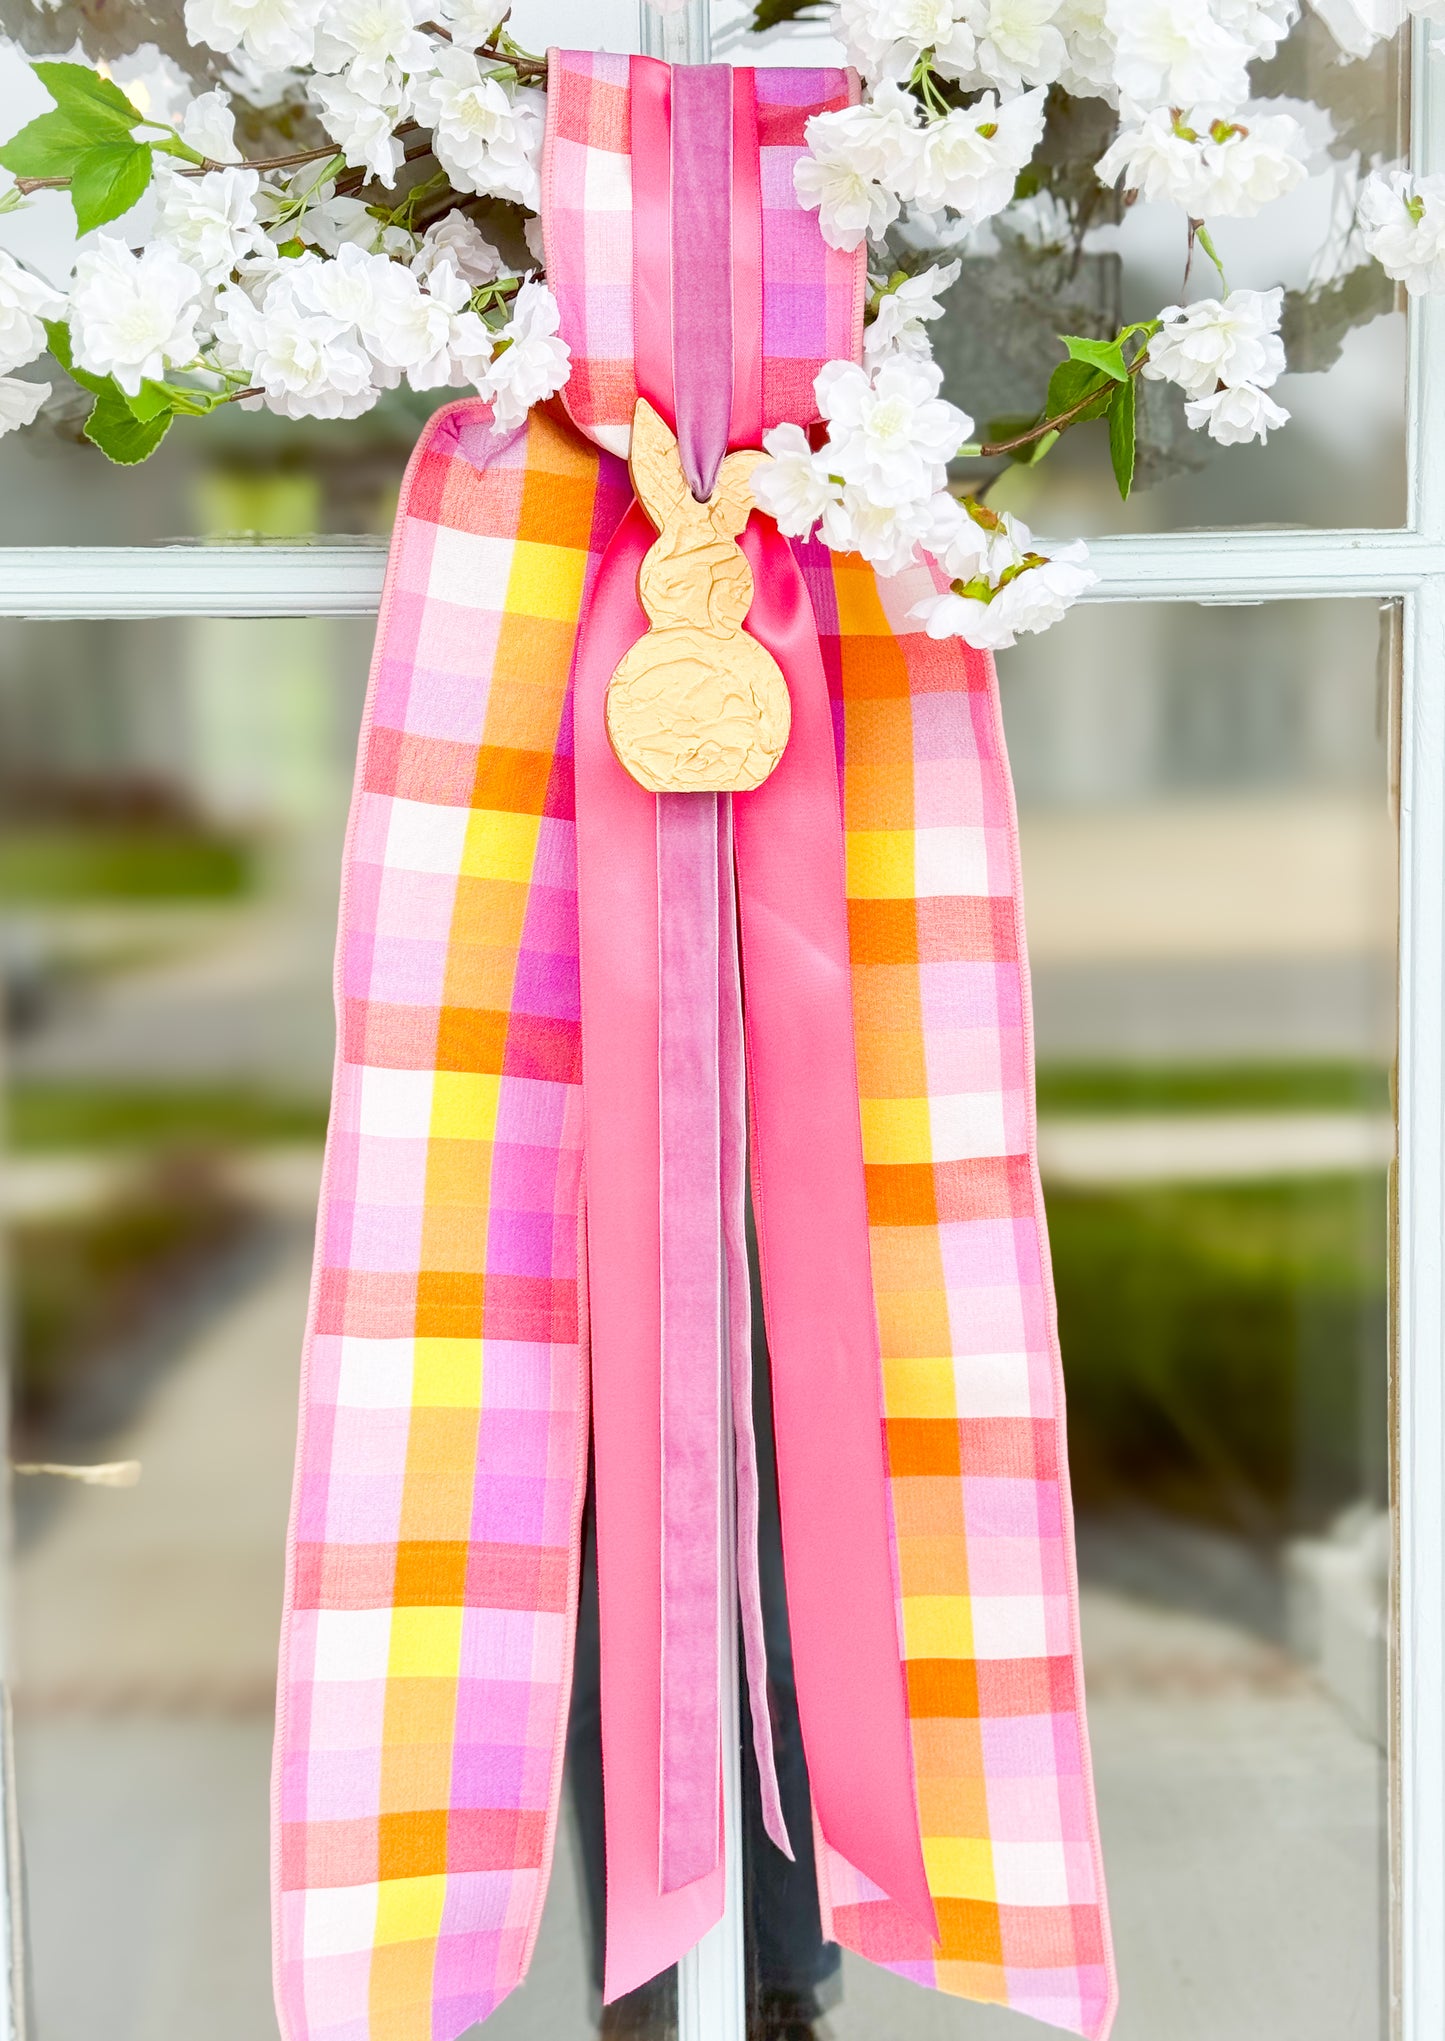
[120, 435]
[1107, 355]
[95, 104]
[107, 181]
[1121, 436]
[772, 13]
[49, 147]
[1070, 383]
[150, 401]
[57, 335]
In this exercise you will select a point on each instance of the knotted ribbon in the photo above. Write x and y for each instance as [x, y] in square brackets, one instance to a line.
[671, 887]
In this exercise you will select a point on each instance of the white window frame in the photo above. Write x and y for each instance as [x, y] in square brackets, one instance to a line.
[1408, 564]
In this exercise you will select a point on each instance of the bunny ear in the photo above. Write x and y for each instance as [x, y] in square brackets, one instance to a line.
[656, 469]
[732, 495]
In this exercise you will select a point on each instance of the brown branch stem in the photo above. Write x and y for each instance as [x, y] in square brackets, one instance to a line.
[992, 448]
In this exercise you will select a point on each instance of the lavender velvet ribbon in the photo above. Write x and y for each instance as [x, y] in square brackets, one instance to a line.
[706, 1312]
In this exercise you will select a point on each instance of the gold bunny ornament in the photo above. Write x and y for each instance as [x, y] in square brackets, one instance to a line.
[696, 706]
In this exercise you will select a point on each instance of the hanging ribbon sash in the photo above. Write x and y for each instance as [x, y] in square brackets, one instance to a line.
[669, 1297]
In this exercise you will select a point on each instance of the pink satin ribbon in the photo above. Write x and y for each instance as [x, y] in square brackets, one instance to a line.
[669, 1293]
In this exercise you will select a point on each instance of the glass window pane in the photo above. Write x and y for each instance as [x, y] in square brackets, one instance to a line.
[1078, 262]
[1047, 268]
[240, 474]
[172, 797]
[1210, 878]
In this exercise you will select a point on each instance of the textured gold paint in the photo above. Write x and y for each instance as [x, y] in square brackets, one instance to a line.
[696, 706]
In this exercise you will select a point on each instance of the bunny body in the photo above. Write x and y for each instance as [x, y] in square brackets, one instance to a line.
[696, 705]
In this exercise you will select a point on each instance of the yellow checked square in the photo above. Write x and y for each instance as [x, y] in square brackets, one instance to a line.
[447, 1373]
[546, 581]
[934, 1626]
[426, 1644]
[880, 864]
[959, 1867]
[410, 1909]
[911, 1388]
[464, 1105]
[896, 1130]
[500, 845]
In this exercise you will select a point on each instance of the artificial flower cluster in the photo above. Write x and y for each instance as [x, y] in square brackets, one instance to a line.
[308, 283]
[312, 282]
[956, 98]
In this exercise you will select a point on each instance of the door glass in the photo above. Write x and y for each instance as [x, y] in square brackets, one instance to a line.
[1210, 869]
[240, 474]
[1072, 259]
[172, 797]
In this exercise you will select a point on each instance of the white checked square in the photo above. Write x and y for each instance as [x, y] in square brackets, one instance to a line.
[340, 1920]
[1030, 1874]
[375, 1374]
[396, 1104]
[965, 1124]
[1009, 1626]
[991, 1385]
[608, 182]
[468, 570]
[950, 861]
[352, 1644]
[422, 836]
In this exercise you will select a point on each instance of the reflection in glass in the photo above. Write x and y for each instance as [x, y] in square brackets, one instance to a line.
[1072, 259]
[172, 798]
[1209, 862]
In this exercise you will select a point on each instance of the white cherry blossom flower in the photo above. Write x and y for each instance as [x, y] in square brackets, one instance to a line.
[530, 361]
[885, 38]
[1248, 164]
[471, 23]
[970, 159]
[306, 364]
[209, 221]
[471, 345]
[486, 138]
[794, 487]
[890, 433]
[25, 301]
[1017, 587]
[1403, 218]
[851, 207]
[1210, 342]
[1155, 159]
[1260, 24]
[20, 402]
[364, 124]
[1019, 43]
[409, 327]
[372, 41]
[343, 289]
[897, 327]
[1176, 53]
[1240, 412]
[1089, 50]
[133, 316]
[209, 127]
[457, 240]
[1212, 166]
[277, 34]
[887, 535]
[879, 139]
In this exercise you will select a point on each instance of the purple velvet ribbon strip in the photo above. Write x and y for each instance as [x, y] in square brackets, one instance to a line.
[706, 1311]
[690, 1192]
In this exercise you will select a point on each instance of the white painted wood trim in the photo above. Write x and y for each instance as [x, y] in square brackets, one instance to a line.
[1419, 1749]
[342, 580]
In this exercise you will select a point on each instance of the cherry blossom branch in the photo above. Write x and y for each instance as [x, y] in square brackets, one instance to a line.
[990, 449]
